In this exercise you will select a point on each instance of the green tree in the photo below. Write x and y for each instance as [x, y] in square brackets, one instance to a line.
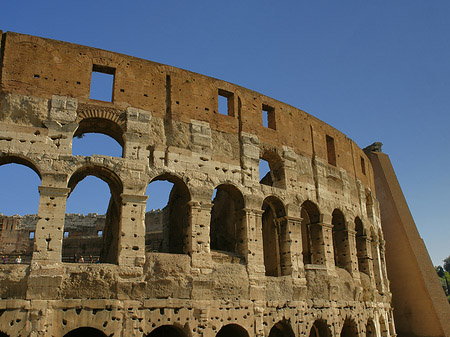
[447, 264]
[440, 271]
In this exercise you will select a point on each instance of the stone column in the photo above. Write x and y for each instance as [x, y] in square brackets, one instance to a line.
[294, 235]
[318, 255]
[327, 229]
[131, 251]
[50, 226]
[364, 257]
[198, 243]
[353, 254]
[255, 254]
[377, 265]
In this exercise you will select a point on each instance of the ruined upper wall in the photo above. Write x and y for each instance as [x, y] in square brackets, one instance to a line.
[39, 67]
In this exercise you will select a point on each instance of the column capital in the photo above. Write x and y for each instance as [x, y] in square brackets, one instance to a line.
[134, 198]
[50, 191]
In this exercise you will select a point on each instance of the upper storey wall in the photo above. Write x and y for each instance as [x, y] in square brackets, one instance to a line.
[39, 67]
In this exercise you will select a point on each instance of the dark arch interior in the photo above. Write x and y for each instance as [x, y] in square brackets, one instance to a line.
[110, 236]
[370, 329]
[232, 330]
[2, 334]
[320, 329]
[167, 331]
[311, 234]
[226, 219]
[281, 329]
[349, 329]
[85, 332]
[340, 241]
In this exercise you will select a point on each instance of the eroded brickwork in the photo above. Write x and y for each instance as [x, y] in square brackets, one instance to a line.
[299, 253]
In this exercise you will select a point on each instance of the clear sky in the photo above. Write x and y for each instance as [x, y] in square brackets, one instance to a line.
[375, 70]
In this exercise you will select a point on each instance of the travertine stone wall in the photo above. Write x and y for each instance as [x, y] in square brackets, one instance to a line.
[279, 278]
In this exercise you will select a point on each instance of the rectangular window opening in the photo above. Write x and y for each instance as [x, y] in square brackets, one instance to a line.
[102, 83]
[225, 103]
[268, 113]
[331, 151]
[99, 234]
[31, 236]
[66, 235]
[363, 166]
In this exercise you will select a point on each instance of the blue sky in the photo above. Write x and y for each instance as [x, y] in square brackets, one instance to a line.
[375, 70]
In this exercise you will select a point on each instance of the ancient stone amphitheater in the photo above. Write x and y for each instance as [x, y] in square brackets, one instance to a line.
[299, 252]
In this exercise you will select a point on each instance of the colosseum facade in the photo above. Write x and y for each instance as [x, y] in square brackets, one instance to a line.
[298, 252]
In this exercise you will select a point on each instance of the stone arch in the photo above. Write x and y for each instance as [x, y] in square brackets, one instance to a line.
[18, 159]
[276, 259]
[276, 176]
[85, 332]
[384, 329]
[281, 329]
[350, 329]
[175, 218]
[227, 217]
[167, 331]
[341, 246]
[312, 234]
[320, 329]
[232, 330]
[370, 328]
[101, 121]
[109, 251]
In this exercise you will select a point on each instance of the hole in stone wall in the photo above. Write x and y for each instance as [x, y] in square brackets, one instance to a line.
[225, 102]
[363, 166]
[331, 151]
[89, 144]
[271, 170]
[268, 114]
[102, 83]
[19, 200]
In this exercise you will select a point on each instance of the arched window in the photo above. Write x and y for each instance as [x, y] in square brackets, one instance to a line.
[111, 229]
[312, 237]
[341, 246]
[370, 328]
[97, 135]
[227, 215]
[85, 332]
[19, 202]
[275, 175]
[166, 229]
[273, 228]
[232, 330]
[167, 331]
[281, 329]
[349, 329]
[320, 329]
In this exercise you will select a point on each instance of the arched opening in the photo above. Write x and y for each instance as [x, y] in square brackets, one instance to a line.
[349, 329]
[100, 136]
[312, 236]
[370, 328]
[361, 247]
[275, 247]
[85, 332]
[19, 203]
[96, 237]
[227, 216]
[232, 330]
[167, 331]
[384, 330]
[166, 229]
[281, 329]
[369, 205]
[275, 175]
[320, 329]
[341, 246]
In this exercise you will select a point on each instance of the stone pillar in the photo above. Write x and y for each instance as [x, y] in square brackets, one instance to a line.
[295, 246]
[255, 254]
[318, 254]
[131, 252]
[353, 254]
[50, 225]
[327, 230]
[377, 265]
[198, 244]
[364, 257]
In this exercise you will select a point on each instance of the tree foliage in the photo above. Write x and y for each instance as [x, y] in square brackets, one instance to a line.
[447, 264]
[444, 278]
